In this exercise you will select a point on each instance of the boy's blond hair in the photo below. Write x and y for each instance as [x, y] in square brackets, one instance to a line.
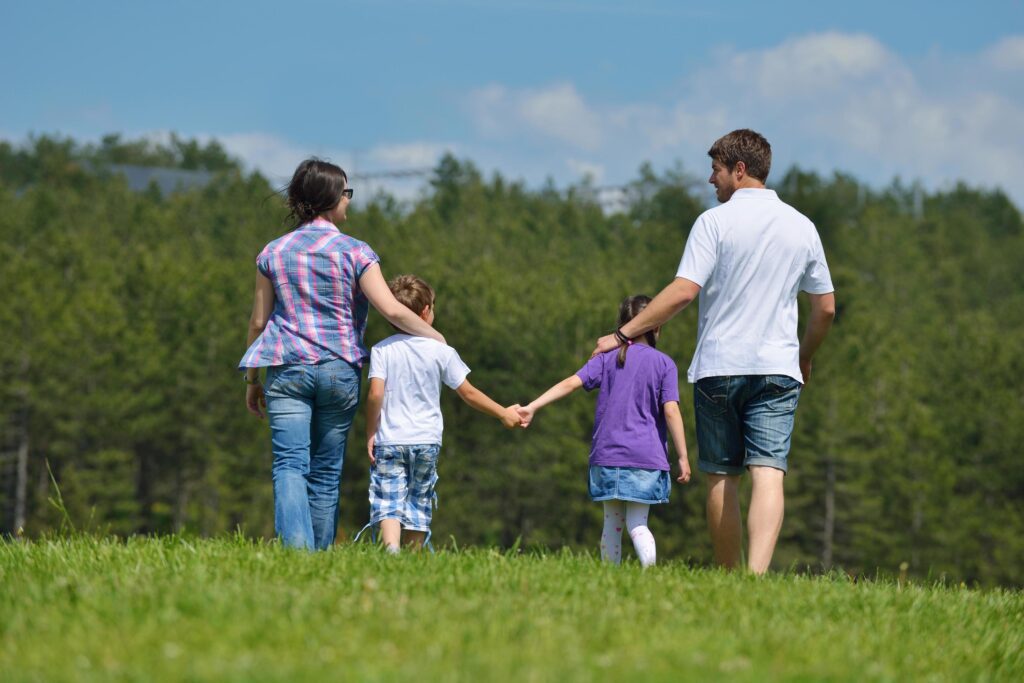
[412, 292]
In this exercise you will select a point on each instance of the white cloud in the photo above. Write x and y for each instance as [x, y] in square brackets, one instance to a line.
[556, 112]
[828, 101]
[1007, 54]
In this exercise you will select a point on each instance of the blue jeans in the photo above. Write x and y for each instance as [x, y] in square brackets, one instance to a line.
[744, 420]
[310, 409]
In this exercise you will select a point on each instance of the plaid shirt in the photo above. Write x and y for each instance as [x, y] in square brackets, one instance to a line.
[319, 311]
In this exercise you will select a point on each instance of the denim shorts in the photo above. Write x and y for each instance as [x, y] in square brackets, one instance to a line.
[629, 483]
[402, 482]
[744, 420]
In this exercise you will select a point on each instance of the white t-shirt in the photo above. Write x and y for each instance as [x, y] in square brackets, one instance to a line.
[751, 256]
[412, 369]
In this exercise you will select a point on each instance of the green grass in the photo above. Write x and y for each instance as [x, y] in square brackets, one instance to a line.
[219, 610]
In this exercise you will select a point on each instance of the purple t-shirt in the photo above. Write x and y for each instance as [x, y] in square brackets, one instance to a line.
[629, 424]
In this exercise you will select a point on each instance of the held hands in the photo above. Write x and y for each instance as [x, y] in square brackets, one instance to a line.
[510, 418]
[525, 415]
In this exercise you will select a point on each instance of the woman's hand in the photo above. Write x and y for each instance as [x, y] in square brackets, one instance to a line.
[255, 400]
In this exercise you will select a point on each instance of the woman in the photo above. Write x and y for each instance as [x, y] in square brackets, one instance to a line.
[313, 287]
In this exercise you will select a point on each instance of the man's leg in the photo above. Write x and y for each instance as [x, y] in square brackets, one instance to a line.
[764, 519]
[723, 510]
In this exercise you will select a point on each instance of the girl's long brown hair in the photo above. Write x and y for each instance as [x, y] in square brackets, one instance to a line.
[629, 309]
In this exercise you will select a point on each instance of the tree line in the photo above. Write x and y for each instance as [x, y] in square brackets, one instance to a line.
[126, 312]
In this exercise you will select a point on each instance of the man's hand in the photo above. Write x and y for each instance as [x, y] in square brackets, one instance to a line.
[525, 416]
[684, 471]
[510, 417]
[805, 369]
[370, 440]
[255, 400]
[606, 343]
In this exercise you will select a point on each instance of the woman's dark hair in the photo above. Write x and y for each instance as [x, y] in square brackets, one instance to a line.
[315, 188]
[629, 309]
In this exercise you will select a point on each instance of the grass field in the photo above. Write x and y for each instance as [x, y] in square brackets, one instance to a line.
[86, 609]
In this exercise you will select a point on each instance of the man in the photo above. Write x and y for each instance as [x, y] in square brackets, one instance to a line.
[747, 259]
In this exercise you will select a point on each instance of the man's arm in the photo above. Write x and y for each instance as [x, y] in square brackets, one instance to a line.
[374, 401]
[672, 299]
[480, 401]
[823, 311]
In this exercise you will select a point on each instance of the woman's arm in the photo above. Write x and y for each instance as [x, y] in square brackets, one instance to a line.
[376, 290]
[485, 404]
[262, 307]
[674, 422]
[560, 390]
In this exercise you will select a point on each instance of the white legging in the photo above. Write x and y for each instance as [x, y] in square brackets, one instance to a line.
[619, 513]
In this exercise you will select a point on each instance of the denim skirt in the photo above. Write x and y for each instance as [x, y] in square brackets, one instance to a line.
[629, 483]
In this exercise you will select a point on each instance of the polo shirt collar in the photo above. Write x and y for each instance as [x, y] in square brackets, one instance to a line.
[754, 193]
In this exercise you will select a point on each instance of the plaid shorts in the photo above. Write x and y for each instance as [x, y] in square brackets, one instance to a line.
[402, 485]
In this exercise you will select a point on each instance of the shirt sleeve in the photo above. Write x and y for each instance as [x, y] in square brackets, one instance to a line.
[362, 258]
[591, 373]
[816, 278]
[263, 263]
[701, 252]
[378, 369]
[669, 389]
[454, 372]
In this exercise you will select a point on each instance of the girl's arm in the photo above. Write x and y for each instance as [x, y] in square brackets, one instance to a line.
[262, 307]
[674, 422]
[482, 402]
[560, 390]
[374, 401]
[376, 290]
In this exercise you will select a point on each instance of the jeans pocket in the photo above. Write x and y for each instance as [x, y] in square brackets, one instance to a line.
[781, 384]
[284, 380]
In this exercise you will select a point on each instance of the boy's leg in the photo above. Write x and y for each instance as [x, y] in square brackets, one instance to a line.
[389, 488]
[611, 537]
[391, 534]
[337, 397]
[764, 519]
[419, 506]
[643, 539]
[723, 509]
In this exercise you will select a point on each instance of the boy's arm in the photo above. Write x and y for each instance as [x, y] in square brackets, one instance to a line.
[674, 422]
[374, 401]
[560, 390]
[482, 402]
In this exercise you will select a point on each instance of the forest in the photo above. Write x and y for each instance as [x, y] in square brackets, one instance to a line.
[122, 409]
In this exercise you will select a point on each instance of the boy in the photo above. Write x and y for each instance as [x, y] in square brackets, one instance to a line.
[403, 420]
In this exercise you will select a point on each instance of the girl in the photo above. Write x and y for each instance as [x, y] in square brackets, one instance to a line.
[637, 403]
[314, 287]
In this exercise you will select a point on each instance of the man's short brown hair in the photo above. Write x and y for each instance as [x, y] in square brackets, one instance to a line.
[747, 146]
[412, 292]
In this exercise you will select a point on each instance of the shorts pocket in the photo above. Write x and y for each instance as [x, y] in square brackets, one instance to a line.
[711, 395]
[781, 384]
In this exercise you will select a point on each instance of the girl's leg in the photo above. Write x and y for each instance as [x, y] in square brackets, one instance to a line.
[611, 537]
[643, 539]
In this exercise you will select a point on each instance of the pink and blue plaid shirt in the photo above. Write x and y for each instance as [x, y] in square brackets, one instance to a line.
[319, 310]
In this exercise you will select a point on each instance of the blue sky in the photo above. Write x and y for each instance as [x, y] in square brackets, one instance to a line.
[928, 91]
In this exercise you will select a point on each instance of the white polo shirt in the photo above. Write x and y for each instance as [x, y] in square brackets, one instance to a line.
[412, 369]
[751, 256]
